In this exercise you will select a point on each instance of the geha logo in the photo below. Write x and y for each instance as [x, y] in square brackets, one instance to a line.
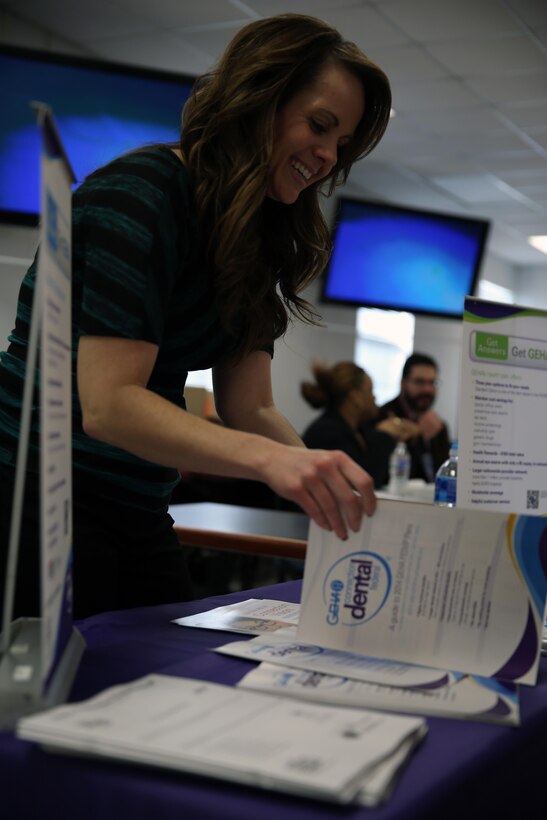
[356, 588]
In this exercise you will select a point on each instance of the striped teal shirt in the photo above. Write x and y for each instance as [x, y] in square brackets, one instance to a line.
[134, 275]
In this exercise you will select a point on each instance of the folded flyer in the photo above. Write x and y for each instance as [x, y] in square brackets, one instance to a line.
[285, 650]
[250, 617]
[469, 697]
[449, 588]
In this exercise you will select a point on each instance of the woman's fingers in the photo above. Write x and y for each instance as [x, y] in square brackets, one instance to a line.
[331, 488]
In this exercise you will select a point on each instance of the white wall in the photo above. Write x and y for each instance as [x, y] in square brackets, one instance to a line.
[303, 344]
[531, 287]
[17, 247]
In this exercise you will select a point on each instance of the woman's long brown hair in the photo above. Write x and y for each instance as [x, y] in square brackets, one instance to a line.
[264, 253]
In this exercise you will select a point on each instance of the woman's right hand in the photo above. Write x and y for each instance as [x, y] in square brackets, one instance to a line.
[329, 486]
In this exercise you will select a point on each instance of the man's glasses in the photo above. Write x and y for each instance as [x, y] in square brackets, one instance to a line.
[425, 382]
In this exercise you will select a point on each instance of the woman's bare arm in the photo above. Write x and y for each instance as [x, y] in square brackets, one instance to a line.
[118, 408]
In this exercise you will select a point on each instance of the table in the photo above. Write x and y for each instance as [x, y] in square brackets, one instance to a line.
[230, 527]
[416, 490]
[462, 770]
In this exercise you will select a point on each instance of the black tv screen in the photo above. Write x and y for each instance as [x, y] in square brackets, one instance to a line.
[101, 110]
[399, 258]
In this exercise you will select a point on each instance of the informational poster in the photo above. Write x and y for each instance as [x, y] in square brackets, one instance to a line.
[502, 461]
[54, 303]
[450, 588]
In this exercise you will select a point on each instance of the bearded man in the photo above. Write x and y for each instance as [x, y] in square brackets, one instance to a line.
[419, 382]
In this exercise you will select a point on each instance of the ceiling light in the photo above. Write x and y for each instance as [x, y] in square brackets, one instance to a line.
[539, 242]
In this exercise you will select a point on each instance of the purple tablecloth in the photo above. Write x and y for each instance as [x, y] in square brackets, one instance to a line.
[462, 769]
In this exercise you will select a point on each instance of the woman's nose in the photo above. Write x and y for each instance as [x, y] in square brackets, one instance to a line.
[327, 151]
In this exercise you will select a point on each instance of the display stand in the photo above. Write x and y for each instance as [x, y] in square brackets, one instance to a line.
[39, 656]
[502, 463]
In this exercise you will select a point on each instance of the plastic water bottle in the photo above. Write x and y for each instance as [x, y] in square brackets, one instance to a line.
[446, 479]
[399, 469]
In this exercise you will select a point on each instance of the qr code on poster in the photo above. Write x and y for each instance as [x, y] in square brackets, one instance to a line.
[532, 499]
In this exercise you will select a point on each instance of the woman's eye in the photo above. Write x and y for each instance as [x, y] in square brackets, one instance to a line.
[318, 127]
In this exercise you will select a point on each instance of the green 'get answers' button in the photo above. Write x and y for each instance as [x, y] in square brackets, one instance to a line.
[491, 346]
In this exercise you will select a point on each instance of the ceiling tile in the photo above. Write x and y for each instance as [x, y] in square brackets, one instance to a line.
[83, 22]
[209, 41]
[536, 192]
[522, 87]
[360, 23]
[525, 176]
[475, 188]
[489, 55]
[407, 60]
[177, 13]
[528, 161]
[531, 12]
[526, 114]
[455, 121]
[156, 50]
[489, 142]
[539, 136]
[431, 20]
[435, 95]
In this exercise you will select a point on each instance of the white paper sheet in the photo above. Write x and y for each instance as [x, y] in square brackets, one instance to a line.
[378, 784]
[250, 617]
[448, 588]
[470, 698]
[288, 652]
[220, 731]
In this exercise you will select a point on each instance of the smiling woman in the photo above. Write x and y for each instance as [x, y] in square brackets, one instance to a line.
[186, 257]
[309, 130]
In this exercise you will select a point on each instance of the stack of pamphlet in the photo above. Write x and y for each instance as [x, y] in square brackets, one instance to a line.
[309, 749]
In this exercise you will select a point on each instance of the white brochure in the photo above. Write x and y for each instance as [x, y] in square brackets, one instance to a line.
[503, 396]
[220, 731]
[470, 697]
[250, 617]
[379, 782]
[449, 588]
[285, 650]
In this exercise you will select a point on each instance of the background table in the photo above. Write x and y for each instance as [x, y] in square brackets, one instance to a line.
[462, 770]
[241, 529]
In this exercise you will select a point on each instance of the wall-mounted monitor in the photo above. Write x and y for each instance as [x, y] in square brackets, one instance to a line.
[101, 110]
[399, 258]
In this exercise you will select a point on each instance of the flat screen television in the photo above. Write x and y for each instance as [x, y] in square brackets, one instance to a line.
[400, 258]
[101, 110]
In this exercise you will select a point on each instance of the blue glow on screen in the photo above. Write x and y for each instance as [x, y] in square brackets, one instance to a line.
[100, 114]
[404, 260]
